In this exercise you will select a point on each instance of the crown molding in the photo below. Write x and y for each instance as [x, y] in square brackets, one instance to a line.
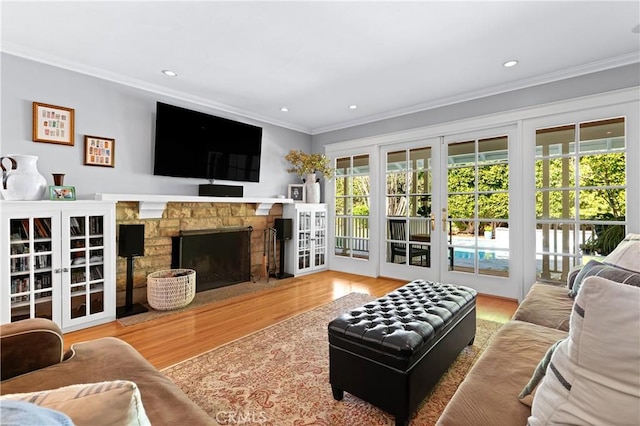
[592, 67]
[42, 57]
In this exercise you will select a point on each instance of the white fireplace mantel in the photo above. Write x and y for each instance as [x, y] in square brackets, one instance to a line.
[151, 206]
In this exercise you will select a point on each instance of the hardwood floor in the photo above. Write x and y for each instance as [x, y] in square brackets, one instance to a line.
[173, 338]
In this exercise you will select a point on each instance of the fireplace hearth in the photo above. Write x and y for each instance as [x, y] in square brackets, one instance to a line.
[220, 257]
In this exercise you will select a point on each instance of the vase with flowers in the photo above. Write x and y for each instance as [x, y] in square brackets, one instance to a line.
[308, 166]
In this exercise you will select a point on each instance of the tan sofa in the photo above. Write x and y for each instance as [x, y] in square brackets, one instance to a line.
[489, 394]
[32, 359]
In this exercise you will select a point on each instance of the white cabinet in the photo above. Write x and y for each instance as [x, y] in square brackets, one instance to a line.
[58, 262]
[307, 250]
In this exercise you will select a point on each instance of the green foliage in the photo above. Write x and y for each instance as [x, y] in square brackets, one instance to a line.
[361, 210]
[596, 171]
[357, 191]
[491, 204]
[602, 171]
[606, 237]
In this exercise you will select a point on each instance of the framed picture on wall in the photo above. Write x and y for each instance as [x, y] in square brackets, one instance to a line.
[99, 151]
[53, 124]
[297, 192]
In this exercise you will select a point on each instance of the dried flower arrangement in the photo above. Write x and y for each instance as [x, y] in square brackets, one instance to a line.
[304, 164]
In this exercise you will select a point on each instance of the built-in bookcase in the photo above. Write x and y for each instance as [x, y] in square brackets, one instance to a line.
[60, 262]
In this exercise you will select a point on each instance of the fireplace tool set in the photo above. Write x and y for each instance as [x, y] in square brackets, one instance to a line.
[269, 253]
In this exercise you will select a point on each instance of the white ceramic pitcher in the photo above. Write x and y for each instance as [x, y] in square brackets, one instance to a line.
[21, 180]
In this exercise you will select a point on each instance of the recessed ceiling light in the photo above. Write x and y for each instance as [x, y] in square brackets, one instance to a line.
[510, 64]
[353, 106]
[284, 109]
[169, 73]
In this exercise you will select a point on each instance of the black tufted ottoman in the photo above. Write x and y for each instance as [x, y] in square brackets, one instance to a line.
[392, 351]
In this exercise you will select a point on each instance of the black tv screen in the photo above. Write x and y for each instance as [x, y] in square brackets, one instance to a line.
[198, 145]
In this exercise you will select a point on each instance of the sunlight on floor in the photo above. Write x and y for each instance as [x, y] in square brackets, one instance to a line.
[344, 287]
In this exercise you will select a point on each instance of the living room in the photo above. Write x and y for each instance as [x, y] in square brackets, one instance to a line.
[123, 109]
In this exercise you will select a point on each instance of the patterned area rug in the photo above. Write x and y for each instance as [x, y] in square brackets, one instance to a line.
[280, 376]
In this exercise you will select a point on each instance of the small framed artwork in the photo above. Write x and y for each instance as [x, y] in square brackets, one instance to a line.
[53, 124]
[62, 193]
[297, 192]
[99, 151]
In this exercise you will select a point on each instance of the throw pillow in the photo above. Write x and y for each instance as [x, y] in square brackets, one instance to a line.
[594, 374]
[610, 272]
[527, 394]
[573, 273]
[626, 254]
[104, 403]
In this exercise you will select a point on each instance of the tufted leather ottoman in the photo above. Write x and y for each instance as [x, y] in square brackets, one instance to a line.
[392, 351]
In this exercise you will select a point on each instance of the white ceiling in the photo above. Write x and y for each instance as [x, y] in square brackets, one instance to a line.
[317, 58]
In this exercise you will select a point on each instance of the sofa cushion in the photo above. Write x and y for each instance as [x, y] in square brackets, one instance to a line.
[611, 272]
[546, 305]
[504, 368]
[95, 404]
[626, 254]
[110, 359]
[594, 375]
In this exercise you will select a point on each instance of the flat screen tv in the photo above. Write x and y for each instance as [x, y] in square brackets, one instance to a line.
[198, 145]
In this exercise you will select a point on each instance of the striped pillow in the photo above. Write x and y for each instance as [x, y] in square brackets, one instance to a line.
[611, 272]
[593, 375]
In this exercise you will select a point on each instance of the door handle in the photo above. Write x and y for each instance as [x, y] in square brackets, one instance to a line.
[433, 222]
[444, 219]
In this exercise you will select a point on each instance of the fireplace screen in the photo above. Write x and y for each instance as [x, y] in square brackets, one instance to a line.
[220, 257]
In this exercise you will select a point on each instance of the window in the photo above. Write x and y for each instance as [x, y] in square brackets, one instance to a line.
[580, 175]
[352, 203]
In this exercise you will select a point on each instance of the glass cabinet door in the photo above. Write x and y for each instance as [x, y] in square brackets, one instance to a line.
[311, 238]
[86, 271]
[31, 272]
[319, 239]
[304, 240]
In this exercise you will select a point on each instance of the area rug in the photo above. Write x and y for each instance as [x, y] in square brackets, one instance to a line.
[280, 376]
[206, 297]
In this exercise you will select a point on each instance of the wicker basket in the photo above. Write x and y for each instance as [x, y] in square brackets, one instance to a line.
[171, 288]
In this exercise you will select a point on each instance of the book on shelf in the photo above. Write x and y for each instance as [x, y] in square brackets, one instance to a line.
[96, 273]
[41, 229]
[25, 227]
[95, 225]
[74, 227]
[42, 281]
[19, 264]
[19, 285]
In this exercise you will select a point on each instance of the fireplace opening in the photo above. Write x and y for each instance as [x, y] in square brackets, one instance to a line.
[220, 257]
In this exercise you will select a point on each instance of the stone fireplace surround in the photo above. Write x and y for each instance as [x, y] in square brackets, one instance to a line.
[185, 216]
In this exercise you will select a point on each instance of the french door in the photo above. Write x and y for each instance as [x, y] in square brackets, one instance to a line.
[410, 243]
[354, 211]
[450, 212]
[481, 211]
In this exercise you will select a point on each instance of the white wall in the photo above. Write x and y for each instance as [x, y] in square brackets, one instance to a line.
[584, 85]
[126, 114]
